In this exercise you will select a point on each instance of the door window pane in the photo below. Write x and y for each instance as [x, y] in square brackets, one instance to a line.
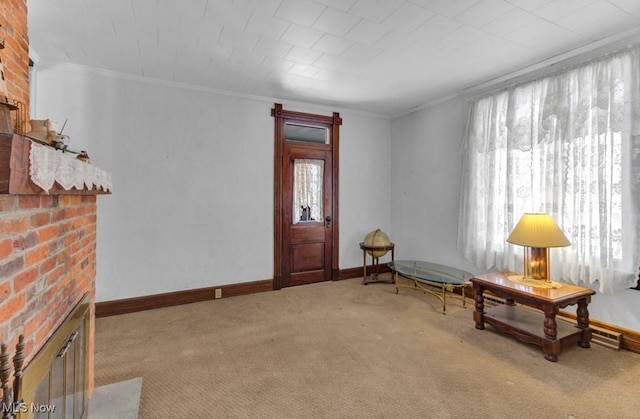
[308, 175]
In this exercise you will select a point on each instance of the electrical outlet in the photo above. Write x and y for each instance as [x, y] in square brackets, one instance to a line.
[218, 293]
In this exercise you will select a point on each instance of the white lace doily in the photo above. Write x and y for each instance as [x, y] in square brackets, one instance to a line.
[48, 165]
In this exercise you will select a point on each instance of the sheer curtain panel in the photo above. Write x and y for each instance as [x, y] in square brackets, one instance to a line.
[568, 145]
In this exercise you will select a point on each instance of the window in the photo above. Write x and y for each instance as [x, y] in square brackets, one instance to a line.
[568, 145]
[306, 133]
[308, 177]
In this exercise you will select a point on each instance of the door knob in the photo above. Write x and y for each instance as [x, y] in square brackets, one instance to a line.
[327, 221]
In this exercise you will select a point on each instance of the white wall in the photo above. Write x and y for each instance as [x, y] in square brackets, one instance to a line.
[365, 181]
[425, 190]
[426, 164]
[193, 173]
[192, 204]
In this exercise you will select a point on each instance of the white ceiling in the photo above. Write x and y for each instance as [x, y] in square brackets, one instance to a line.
[381, 56]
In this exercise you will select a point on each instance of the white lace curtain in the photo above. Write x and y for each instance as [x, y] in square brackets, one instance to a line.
[307, 190]
[568, 145]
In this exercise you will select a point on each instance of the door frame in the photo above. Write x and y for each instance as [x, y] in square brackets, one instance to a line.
[282, 116]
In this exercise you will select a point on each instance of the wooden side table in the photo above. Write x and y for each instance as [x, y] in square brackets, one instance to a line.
[531, 326]
[375, 276]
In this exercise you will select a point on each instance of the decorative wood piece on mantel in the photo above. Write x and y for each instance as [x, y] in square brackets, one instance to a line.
[14, 171]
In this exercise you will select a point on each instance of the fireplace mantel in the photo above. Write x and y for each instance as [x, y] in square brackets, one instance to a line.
[14, 171]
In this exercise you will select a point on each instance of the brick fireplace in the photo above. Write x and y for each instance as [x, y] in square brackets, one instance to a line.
[47, 264]
[15, 56]
[47, 242]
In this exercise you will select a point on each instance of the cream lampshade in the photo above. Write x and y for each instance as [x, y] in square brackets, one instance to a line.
[537, 232]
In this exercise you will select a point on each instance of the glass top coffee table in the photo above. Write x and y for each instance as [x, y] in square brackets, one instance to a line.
[432, 278]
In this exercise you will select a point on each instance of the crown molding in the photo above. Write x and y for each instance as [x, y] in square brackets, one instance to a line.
[33, 55]
[83, 69]
[540, 69]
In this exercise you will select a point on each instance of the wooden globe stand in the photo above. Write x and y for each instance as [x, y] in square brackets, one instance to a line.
[375, 260]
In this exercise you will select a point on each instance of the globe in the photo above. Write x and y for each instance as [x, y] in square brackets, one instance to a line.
[375, 239]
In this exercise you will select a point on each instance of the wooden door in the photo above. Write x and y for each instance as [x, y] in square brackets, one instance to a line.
[306, 218]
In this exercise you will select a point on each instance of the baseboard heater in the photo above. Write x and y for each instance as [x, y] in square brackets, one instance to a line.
[601, 336]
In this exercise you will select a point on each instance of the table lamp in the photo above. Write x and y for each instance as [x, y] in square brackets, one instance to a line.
[537, 232]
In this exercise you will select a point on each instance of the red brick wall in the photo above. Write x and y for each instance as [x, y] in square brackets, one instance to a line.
[47, 263]
[15, 55]
[47, 243]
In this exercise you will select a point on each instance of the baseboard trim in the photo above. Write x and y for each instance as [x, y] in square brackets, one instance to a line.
[630, 338]
[148, 302]
[350, 273]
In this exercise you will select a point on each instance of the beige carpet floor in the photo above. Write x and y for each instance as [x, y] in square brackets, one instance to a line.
[344, 350]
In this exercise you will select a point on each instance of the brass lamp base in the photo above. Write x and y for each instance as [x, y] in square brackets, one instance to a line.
[536, 265]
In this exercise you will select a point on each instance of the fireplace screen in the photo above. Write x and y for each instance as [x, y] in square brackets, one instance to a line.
[55, 383]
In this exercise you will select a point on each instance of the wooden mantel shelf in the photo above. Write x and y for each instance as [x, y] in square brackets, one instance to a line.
[14, 171]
